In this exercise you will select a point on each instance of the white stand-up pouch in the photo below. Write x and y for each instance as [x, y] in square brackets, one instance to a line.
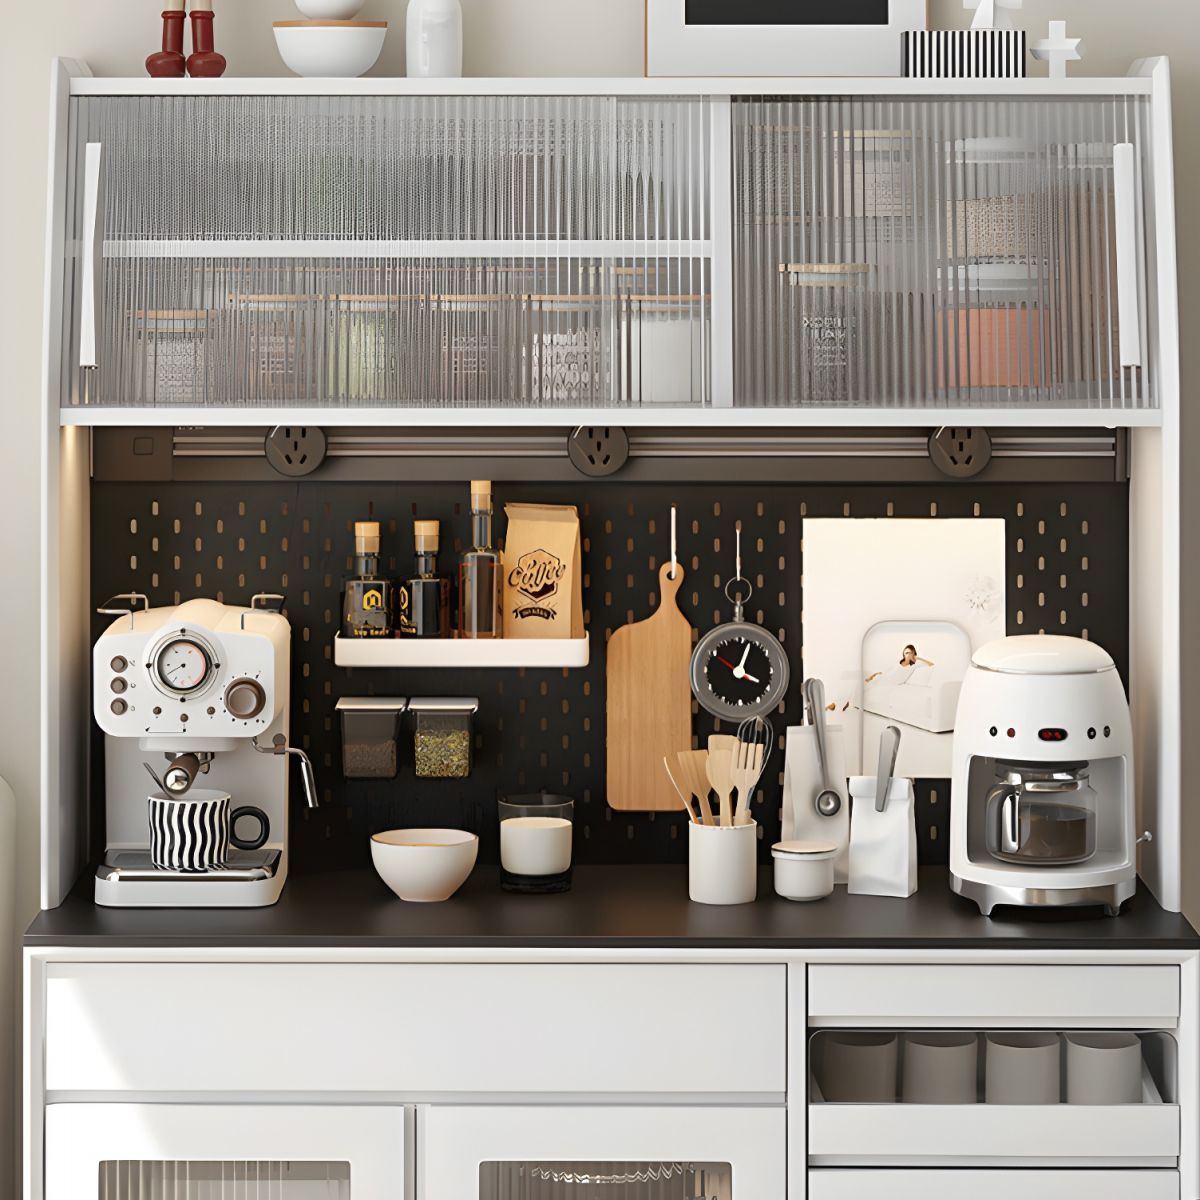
[883, 845]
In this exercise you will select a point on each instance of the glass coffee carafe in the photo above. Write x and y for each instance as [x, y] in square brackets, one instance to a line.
[1041, 814]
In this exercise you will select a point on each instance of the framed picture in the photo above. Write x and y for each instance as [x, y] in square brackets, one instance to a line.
[778, 37]
[893, 610]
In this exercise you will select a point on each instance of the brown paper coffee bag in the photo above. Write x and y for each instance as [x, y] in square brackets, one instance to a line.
[543, 589]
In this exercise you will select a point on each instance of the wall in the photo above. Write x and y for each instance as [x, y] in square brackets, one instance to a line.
[504, 37]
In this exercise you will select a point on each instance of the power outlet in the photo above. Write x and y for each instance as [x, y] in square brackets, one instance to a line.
[599, 450]
[296, 449]
[960, 452]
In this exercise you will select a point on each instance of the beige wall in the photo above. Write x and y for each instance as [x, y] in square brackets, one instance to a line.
[504, 37]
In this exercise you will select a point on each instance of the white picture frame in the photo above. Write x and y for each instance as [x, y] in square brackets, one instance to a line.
[675, 48]
[875, 588]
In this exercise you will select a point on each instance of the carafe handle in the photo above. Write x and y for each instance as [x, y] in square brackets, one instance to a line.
[1010, 824]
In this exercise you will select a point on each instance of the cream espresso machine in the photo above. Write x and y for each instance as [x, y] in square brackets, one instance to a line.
[196, 695]
[1042, 802]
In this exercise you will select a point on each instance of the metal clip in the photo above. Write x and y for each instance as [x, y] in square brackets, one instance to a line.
[258, 603]
[110, 608]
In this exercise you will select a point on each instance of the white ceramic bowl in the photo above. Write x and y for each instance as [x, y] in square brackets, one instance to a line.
[330, 49]
[330, 10]
[424, 865]
[804, 870]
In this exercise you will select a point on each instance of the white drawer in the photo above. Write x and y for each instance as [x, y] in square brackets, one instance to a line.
[930, 1135]
[999, 997]
[993, 1185]
[419, 1030]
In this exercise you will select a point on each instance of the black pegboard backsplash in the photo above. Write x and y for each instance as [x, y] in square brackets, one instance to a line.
[1067, 572]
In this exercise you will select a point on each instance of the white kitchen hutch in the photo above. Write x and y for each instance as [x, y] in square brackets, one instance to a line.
[691, 255]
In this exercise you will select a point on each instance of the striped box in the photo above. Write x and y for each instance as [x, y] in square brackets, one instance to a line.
[965, 54]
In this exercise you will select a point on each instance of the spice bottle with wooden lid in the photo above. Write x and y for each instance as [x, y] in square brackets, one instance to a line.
[425, 598]
[367, 599]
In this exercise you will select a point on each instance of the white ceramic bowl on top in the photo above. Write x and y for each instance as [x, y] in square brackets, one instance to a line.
[330, 49]
[424, 865]
[330, 10]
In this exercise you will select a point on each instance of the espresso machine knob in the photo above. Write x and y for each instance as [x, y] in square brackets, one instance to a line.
[245, 699]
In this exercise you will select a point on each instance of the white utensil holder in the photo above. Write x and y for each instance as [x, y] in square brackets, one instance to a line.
[723, 864]
[801, 783]
[883, 845]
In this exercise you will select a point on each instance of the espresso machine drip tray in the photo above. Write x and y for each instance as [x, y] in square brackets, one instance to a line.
[134, 866]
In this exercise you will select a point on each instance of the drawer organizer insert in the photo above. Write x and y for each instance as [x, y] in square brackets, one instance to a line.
[993, 1097]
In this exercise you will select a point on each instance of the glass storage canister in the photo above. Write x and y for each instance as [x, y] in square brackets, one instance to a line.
[1041, 814]
[443, 735]
[370, 735]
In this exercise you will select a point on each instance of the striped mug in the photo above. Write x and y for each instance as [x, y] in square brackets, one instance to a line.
[193, 833]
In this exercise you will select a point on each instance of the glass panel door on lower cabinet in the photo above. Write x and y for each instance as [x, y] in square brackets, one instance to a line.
[201, 1152]
[620, 1153]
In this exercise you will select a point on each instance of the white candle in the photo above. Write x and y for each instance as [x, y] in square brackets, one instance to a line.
[535, 845]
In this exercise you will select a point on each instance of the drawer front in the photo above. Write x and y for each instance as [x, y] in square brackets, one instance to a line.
[421, 1029]
[995, 996]
[993, 1135]
[992, 1185]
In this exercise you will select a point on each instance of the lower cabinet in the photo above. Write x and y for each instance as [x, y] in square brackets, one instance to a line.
[225, 1152]
[993, 1185]
[451, 1152]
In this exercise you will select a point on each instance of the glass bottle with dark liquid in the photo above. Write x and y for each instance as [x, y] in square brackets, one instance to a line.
[479, 572]
[367, 600]
[425, 598]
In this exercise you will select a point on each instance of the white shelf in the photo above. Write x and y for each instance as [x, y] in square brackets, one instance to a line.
[632, 418]
[450, 653]
[625, 85]
[546, 248]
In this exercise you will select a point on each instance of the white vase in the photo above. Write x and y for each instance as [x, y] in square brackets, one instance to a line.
[435, 39]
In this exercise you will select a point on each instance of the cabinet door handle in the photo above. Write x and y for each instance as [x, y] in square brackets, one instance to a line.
[1125, 211]
[91, 251]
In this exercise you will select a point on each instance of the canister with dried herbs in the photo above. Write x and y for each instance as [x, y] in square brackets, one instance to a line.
[443, 735]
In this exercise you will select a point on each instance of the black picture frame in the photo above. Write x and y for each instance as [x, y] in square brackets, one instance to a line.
[788, 13]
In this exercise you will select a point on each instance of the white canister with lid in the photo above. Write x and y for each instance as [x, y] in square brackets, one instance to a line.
[804, 870]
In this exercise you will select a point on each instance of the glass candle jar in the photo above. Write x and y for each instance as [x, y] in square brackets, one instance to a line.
[536, 836]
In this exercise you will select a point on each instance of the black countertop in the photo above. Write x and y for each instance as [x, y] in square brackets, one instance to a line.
[616, 908]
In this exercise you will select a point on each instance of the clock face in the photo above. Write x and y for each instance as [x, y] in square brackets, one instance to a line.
[739, 670]
[182, 666]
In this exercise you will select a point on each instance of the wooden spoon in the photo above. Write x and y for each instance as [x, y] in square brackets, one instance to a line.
[685, 794]
[694, 765]
[720, 775]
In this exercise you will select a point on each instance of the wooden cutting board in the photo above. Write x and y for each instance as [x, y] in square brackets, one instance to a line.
[649, 703]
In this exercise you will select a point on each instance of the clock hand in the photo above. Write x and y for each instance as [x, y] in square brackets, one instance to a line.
[745, 657]
[726, 663]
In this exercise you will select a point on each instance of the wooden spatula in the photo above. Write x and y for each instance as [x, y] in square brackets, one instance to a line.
[685, 792]
[720, 775]
[694, 765]
[722, 741]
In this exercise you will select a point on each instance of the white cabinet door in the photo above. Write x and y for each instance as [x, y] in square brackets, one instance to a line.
[511, 1153]
[210, 1152]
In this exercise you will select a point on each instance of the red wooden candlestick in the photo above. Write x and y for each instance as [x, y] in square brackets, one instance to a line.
[204, 61]
[169, 62]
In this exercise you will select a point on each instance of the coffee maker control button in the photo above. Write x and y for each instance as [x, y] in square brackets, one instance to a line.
[119, 686]
[245, 699]
[119, 708]
[119, 664]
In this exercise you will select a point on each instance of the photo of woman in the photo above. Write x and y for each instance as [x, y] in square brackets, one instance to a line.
[909, 658]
